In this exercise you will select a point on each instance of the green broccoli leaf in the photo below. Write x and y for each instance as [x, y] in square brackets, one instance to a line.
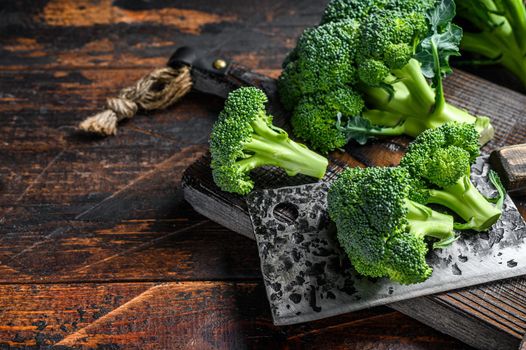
[357, 128]
[442, 43]
[442, 14]
[446, 44]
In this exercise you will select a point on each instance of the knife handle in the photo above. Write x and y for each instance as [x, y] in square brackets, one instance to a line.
[510, 163]
[187, 69]
[216, 75]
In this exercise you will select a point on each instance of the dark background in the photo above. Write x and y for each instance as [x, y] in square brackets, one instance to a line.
[148, 272]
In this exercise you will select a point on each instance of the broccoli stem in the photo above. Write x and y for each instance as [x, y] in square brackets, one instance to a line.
[272, 146]
[479, 43]
[423, 221]
[384, 118]
[516, 12]
[414, 104]
[420, 91]
[379, 131]
[465, 200]
[251, 163]
[504, 48]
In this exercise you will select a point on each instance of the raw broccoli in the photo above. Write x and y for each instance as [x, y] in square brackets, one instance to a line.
[332, 45]
[314, 117]
[243, 138]
[389, 49]
[439, 161]
[381, 229]
[338, 10]
[499, 32]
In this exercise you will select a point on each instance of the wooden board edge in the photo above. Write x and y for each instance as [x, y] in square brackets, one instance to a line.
[226, 216]
[446, 320]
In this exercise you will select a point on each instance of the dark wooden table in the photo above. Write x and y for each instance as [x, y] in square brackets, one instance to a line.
[145, 271]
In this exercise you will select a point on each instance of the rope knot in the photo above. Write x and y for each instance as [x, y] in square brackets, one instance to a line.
[157, 90]
[122, 107]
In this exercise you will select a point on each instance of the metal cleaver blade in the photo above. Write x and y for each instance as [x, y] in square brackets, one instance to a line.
[308, 277]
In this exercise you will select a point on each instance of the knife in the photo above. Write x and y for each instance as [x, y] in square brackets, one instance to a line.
[308, 277]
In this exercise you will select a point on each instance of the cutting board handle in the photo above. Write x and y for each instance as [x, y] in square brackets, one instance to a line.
[510, 163]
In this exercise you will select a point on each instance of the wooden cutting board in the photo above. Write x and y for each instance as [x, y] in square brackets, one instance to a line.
[491, 316]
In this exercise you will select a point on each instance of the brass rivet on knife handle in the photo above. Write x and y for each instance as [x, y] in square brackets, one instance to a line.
[510, 163]
[219, 64]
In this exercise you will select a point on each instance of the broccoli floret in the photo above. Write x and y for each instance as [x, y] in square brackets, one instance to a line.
[440, 162]
[329, 120]
[321, 60]
[338, 10]
[243, 138]
[500, 32]
[389, 51]
[314, 119]
[381, 229]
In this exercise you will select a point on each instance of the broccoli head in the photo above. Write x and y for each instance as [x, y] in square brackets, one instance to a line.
[321, 60]
[381, 229]
[243, 138]
[314, 118]
[338, 10]
[499, 32]
[440, 161]
[384, 51]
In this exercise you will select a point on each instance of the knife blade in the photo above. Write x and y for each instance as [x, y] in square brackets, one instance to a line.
[308, 277]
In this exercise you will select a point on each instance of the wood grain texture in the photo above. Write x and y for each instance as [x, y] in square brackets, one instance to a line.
[510, 163]
[90, 227]
[189, 315]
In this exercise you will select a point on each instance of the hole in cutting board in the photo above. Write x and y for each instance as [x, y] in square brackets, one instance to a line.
[287, 213]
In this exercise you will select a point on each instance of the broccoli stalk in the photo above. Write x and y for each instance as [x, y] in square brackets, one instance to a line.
[425, 222]
[272, 146]
[413, 106]
[502, 25]
[243, 138]
[439, 160]
[464, 199]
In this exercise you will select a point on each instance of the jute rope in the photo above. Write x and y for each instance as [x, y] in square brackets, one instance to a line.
[157, 90]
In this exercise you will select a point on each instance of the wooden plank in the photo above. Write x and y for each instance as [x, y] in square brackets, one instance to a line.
[132, 250]
[86, 34]
[37, 316]
[77, 208]
[197, 314]
[117, 33]
[428, 311]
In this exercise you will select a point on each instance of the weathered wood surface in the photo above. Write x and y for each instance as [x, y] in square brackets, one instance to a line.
[90, 227]
[190, 315]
